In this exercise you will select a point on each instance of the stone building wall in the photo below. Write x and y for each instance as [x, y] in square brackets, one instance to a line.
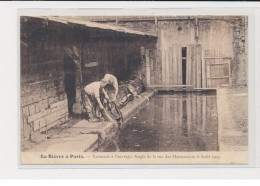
[227, 34]
[43, 102]
[240, 48]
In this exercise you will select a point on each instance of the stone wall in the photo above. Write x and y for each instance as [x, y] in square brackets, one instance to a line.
[240, 47]
[43, 102]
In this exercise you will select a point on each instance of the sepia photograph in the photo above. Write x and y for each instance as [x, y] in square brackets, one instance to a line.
[133, 89]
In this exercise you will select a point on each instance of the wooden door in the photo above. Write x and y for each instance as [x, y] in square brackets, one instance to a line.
[194, 66]
[171, 66]
[217, 69]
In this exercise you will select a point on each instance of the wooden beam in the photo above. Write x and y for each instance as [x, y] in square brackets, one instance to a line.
[171, 86]
[44, 81]
[147, 67]
[217, 58]
[203, 70]
[219, 63]
[219, 77]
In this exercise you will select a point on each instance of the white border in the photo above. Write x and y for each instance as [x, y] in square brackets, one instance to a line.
[9, 77]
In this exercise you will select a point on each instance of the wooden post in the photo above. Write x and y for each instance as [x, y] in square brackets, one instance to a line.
[203, 70]
[229, 71]
[156, 24]
[77, 107]
[147, 68]
[116, 20]
[208, 74]
[198, 59]
[143, 76]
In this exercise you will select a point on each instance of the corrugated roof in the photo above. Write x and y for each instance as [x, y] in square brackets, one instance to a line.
[93, 25]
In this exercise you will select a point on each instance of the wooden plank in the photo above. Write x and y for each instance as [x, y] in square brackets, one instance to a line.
[221, 67]
[196, 65]
[147, 67]
[179, 64]
[218, 67]
[212, 70]
[198, 109]
[204, 113]
[91, 64]
[217, 57]
[180, 111]
[210, 61]
[142, 49]
[194, 109]
[175, 65]
[164, 108]
[171, 86]
[203, 70]
[193, 65]
[158, 67]
[229, 72]
[206, 53]
[154, 74]
[151, 66]
[188, 103]
[219, 64]
[219, 77]
[175, 111]
[167, 69]
[198, 58]
[163, 67]
[188, 66]
[216, 53]
[170, 66]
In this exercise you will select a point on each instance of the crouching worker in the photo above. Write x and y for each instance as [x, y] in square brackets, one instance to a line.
[112, 112]
[91, 100]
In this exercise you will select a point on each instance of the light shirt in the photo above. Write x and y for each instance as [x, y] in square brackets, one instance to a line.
[93, 88]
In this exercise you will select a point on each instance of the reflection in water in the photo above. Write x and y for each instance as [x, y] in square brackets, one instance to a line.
[170, 122]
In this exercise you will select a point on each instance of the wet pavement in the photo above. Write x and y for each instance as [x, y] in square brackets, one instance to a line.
[170, 122]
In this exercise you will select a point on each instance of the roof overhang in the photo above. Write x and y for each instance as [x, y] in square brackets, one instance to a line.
[90, 24]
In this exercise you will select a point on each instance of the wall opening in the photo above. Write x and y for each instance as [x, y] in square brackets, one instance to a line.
[70, 82]
[184, 60]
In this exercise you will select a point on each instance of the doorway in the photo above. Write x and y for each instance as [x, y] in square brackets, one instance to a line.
[70, 82]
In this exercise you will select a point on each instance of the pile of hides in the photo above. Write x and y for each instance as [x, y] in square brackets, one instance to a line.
[127, 91]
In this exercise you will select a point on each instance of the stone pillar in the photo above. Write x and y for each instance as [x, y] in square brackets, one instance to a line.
[147, 68]
[143, 62]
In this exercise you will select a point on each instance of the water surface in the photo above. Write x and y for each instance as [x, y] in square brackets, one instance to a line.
[170, 122]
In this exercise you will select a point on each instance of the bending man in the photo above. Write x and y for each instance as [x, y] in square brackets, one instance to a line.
[91, 100]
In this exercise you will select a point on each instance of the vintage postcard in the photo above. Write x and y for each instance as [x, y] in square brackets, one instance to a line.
[133, 89]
